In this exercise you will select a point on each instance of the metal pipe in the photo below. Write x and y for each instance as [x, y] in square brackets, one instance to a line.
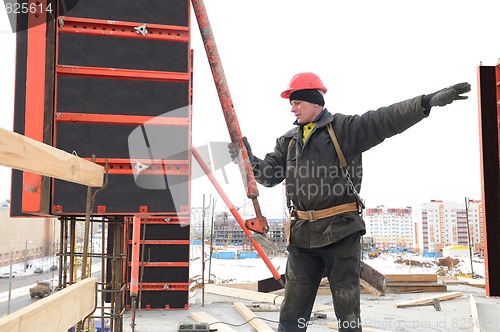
[236, 215]
[10, 283]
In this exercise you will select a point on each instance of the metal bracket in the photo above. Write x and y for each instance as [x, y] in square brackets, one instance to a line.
[139, 167]
[142, 29]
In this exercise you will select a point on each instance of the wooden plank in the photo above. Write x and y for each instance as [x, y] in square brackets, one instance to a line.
[26, 154]
[244, 294]
[428, 300]
[476, 327]
[370, 288]
[255, 321]
[263, 307]
[374, 278]
[201, 316]
[244, 285]
[415, 287]
[481, 283]
[58, 312]
[422, 277]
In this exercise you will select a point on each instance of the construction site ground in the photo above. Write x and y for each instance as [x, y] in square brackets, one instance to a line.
[379, 313]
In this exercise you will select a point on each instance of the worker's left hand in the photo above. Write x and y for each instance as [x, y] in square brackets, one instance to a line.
[447, 95]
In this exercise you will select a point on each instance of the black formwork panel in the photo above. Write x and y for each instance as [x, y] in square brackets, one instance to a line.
[86, 101]
[122, 196]
[172, 253]
[125, 53]
[165, 12]
[164, 299]
[489, 117]
[166, 232]
[130, 97]
[124, 193]
[112, 141]
[162, 275]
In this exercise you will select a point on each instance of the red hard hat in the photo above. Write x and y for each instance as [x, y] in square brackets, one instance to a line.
[303, 81]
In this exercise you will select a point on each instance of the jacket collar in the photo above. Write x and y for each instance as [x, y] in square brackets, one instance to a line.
[324, 118]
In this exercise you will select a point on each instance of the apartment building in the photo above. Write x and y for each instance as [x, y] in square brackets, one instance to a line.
[390, 227]
[446, 223]
[427, 227]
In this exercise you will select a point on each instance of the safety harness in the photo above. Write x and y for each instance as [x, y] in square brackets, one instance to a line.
[313, 215]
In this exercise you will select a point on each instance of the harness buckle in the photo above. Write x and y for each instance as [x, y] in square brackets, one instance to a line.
[310, 214]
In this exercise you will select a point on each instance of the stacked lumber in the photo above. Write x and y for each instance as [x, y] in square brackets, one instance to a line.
[413, 283]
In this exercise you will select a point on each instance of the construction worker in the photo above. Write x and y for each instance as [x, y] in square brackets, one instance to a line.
[325, 208]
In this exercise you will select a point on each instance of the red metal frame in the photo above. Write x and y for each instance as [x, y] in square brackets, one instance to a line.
[171, 286]
[135, 261]
[122, 29]
[117, 73]
[122, 119]
[35, 99]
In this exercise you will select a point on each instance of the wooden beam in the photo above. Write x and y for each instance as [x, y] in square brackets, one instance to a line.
[415, 287]
[26, 154]
[57, 312]
[476, 327]
[372, 277]
[201, 316]
[422, 277]
[257, 323]
[369, 287]
[244, 294]
[428, 300]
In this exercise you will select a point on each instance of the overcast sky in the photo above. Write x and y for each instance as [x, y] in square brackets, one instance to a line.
[369, 54]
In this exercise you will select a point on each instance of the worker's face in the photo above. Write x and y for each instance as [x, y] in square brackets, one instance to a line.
[304, 111]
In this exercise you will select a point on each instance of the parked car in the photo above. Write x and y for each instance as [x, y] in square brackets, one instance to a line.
[42, 289]
[38, 270]
[6, 275]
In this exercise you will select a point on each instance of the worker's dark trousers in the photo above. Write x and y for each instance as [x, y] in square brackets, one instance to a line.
[304, 271]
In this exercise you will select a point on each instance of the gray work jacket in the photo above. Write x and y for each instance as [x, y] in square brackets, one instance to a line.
[312, 172]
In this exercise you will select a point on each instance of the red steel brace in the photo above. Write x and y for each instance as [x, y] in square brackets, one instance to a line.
[236, 215]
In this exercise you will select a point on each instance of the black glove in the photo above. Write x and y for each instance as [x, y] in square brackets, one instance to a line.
[234, 151]
[446, 96]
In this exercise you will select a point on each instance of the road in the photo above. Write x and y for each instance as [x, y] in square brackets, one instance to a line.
[24, 281]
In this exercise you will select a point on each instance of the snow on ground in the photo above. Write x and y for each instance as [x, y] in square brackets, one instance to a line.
[415, 263]
[254, 269]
